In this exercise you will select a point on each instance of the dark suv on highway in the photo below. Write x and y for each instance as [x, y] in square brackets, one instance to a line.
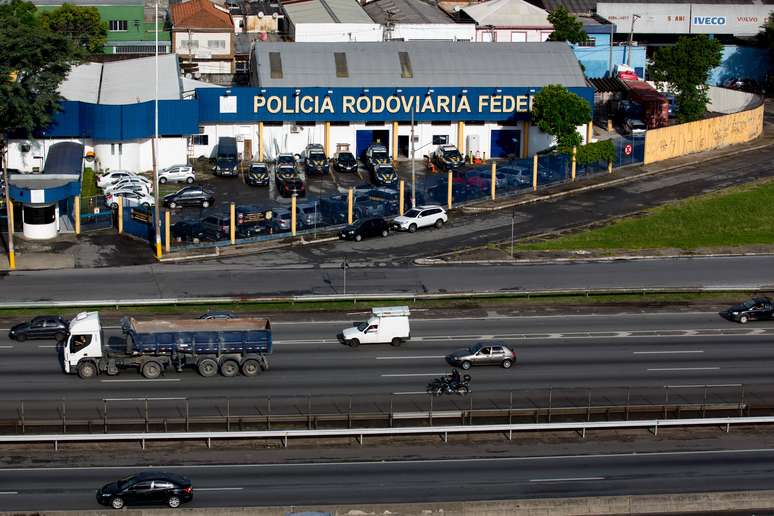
[148, 487]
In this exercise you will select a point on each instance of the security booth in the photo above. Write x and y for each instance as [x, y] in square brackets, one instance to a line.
[46, 198]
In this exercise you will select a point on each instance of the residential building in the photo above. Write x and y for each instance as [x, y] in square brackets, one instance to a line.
[406, 20]
[329, 21]
[513, 21]
[203, 37]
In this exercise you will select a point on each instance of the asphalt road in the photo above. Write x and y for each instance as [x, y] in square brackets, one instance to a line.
[214, 279]
[567, 353]
[411, 480]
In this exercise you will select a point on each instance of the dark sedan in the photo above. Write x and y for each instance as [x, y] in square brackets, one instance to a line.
[365, 228]
[146, 488]
[345, 162]
[258, 175]
[483, 353]
[756, 309]
[289, 183]
[189, 196]
[42, 327]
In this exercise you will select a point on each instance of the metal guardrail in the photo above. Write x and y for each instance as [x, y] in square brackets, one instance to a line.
[376, 296]
[360, 433]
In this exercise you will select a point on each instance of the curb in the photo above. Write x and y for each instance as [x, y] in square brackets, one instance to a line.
[581, 259]
[243, 251]
[621, 180]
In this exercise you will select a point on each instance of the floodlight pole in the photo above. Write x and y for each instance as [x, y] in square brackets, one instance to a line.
[8, 209]
[413, 171]
[156, 209]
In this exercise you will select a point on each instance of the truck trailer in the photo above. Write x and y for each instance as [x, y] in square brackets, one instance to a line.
[210, 346]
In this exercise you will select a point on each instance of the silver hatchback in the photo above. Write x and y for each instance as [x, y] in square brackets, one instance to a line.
[483, 353]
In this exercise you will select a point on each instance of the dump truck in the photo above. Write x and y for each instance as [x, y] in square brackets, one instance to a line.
[210, 346]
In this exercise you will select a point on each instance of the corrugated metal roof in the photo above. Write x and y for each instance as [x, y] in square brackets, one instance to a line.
[434, 64]
[326, 11]
[123, 82]
[507, 13]
[590, 6]
[406, 11]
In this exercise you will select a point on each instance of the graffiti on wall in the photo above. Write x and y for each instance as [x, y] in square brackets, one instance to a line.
[703, 135]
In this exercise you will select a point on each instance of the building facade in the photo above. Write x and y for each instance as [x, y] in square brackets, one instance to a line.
[511, 21]
[203, 36]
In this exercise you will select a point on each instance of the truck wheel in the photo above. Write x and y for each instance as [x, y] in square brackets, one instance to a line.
[207, 367]
[396, 342]
[229, 368]
[353, 343]
[151, 370]
[87, 370]
[250, 367]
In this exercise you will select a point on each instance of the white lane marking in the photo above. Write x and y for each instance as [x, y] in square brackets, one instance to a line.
[684, 369]
[9, 492]
[398, 462]
[409, 358]
[578, 479]
[413, 374]
[46, 346]
[6, 347]
[142, 380]
[406, 393]
[670, 352]
[219, 488]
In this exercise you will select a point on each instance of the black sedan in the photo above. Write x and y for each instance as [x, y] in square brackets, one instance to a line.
[189, 196]
[345, 162]
[364, 228]
[41, 327]
[258, 175]
[148, 487]
[755, 309]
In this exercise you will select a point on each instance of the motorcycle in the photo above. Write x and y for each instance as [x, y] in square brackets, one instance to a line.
[445, 385]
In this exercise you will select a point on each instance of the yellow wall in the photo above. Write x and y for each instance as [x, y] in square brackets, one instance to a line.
[702, 135]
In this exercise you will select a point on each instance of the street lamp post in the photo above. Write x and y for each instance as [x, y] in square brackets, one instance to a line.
[635, 17]
[8, 209]
[156, 209]
[513, 223]
[413, 171]
[345, 266]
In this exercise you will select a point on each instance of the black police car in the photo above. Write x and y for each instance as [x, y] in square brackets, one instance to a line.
[344, 162]
[148, 487]
[41, 327]
[258, 175]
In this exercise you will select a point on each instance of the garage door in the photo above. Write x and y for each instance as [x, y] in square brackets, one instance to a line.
[505, 142]
[363, 138]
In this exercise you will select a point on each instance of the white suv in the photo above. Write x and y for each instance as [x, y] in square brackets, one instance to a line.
[113, 176]
[132, 183]
[421, 217]
[177, 174]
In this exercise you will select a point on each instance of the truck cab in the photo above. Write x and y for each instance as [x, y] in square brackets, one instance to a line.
[386, 325]
[84, 341]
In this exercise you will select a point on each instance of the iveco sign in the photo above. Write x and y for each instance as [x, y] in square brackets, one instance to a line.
[709, 20]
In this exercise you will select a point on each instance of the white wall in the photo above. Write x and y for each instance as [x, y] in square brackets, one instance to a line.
[327, 32]
[137, 155]
[435, 31]
[26, 161]
[203, 39]
[514, 35]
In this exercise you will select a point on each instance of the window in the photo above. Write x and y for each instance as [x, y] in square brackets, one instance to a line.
[189, 44]
[275, 65]
[39, 214]
[406, 71]
[487, 36]
[161, 484]
[78, 342]
[518, 37]
[216, 44]
[341, 64]
[440, 139]
[118, 25]
[591, 42]
[200, 139]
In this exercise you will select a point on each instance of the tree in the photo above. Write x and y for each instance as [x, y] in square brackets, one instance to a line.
[559, 112]
[81, 24]
[566, 26]
[686, 67]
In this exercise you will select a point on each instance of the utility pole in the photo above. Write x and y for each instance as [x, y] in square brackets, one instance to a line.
[413, 170]
[156, 209]
[345, 266]
[8, 209]
[513, 223]
[635, 17]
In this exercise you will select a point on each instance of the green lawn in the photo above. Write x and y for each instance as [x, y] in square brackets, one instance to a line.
[739, 217]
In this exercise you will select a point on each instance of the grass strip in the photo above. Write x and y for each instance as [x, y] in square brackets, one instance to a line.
[736, 217]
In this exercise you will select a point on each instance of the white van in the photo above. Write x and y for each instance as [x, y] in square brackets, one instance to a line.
[386, 325]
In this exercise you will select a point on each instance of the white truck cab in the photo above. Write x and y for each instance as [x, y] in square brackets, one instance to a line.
[386, 325]
[84, 340]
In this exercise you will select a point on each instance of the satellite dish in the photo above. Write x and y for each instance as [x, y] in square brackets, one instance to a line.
[260, 14]
[274, 15]
[456, 8]
[188, 75]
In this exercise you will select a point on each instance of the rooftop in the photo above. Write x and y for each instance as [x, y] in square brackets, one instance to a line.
[590, 6]
[326, 11]
[416, 63]
[406, 11]
[88, 2]
[507, 13]
[200, 14]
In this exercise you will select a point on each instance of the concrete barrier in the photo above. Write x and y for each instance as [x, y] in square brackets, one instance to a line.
[582, 506]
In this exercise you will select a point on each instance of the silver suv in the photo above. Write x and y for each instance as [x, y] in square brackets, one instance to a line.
[177, 174]
[483, 353]
[421, 217]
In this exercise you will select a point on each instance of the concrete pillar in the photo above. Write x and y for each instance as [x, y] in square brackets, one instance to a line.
[534, 172]
[293, 220]
[11, 251]
[77, 214]
[327, 139]
[574, 159]
[395, 144]
[589, 132]
[610, 166]
[232, 222]
[493, 186]
[350, 199]
[260, 141]
[167, 231]
[525, 137]
[402, 195]
[120, 215]
[461, 137]
[449, 190]
[609, 125]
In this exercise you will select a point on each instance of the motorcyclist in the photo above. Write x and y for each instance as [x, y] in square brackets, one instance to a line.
[454, 378]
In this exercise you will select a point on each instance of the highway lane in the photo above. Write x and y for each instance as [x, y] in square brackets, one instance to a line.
[571, 353]
[365, 481]
[216, 279]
